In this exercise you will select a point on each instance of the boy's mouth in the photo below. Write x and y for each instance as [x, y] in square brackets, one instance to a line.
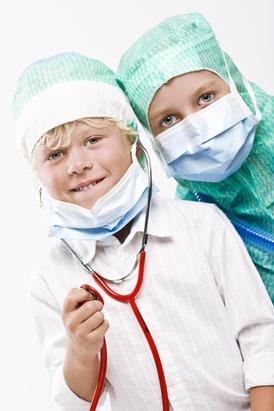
[87, 185]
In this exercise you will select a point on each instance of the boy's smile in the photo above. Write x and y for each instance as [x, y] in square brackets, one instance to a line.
[87, 185]
[182, 96]
[86, 169]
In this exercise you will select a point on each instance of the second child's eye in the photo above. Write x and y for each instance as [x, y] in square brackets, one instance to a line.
[206, 98]
[169, 120]
[55, 155]
[93, 140]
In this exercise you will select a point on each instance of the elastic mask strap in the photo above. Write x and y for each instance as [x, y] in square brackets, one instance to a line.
[135, 149]
[40, 201]
[232, 85]
[148, 136]
[251, 93]
[248, 87]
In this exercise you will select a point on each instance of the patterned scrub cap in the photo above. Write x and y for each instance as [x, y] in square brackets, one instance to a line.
[177, 45]
[64, 88]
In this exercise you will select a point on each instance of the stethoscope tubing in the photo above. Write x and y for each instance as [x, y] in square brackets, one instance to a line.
[101, 377]
[130, 299]
[103, 355]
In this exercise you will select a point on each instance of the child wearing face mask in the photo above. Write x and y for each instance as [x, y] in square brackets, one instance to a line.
[214, 341]
[212, 128]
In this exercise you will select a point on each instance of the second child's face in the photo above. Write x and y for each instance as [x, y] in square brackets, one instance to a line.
[94, 162]
[182, 96]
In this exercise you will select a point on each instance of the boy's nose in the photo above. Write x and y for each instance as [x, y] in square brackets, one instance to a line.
[78, 162]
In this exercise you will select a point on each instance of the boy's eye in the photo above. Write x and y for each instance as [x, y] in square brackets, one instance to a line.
[206, 98]
[92, 140]
[55, 155]
[169, 120]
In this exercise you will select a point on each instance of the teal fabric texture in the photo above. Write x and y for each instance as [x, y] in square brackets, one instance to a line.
[57, 69]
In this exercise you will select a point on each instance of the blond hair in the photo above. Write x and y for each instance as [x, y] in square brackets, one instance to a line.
[60, 136]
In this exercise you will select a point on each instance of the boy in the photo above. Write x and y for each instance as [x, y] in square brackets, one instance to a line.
[204, 117]
[215, 342]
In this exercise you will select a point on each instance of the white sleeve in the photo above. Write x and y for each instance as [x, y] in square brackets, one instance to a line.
[52, 335]
[246, 300]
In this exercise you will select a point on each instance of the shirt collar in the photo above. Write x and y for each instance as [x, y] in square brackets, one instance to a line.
[158, 226]
[157, 223]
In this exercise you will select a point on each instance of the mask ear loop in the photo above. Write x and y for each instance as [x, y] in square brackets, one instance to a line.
[248, 87]
[251, 93]
[146, 135]
[135, 146]
[40, 201]
[135, 150]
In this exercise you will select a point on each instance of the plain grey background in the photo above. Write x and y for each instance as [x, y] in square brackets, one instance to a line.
[30, 30]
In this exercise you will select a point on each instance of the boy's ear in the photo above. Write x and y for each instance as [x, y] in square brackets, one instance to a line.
[140, 156]
[138, 151]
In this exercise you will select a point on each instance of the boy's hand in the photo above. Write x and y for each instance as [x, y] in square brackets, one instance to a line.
[85, 324]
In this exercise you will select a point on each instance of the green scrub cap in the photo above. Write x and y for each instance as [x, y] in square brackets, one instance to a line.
[63, 88]
[57, 69]
[177, 45]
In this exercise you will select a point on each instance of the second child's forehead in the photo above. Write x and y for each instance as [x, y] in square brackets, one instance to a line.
[187, 85]
[196, 79]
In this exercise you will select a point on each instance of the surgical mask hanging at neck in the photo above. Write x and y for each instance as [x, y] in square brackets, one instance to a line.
[212, 143]
[108, 215]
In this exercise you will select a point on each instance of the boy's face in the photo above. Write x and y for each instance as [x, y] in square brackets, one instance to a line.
[182, 96]
[88, 168]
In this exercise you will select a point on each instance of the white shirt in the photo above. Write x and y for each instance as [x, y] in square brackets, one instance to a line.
[201, 297]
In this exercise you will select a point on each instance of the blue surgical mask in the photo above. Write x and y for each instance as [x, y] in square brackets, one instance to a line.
[212, 143]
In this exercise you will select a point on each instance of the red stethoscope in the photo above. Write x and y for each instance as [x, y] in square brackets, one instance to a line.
[128, 298]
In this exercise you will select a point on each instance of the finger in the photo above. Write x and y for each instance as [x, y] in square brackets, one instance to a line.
[75, 298]
[87, 309]
[91, 323]
[98, 333]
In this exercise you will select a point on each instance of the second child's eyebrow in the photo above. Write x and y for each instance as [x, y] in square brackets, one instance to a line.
[160, 113]
[206, 87]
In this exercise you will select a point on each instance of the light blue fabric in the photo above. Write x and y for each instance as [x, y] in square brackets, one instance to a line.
[99, 233]
[205, 163]
[211, 144]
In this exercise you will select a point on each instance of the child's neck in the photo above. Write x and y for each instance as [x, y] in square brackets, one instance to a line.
[122, 234]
